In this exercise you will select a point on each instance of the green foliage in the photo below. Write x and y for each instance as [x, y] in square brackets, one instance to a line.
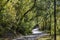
[20, 16]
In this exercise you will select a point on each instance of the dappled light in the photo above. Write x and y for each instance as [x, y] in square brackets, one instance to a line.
[29, 19]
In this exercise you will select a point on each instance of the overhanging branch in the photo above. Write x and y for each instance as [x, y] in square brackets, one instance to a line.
[28, 10]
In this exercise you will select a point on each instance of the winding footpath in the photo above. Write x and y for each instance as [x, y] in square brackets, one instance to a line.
[35, 34]
[31, 37]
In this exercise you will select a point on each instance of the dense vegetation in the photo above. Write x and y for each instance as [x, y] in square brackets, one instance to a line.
[20, 16]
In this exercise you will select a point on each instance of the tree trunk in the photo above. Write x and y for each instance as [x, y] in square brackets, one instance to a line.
[54, 19]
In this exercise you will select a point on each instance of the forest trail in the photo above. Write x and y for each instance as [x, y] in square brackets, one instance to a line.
[31, 37]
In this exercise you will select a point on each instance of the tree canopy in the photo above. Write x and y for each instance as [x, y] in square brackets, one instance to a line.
[20, 16]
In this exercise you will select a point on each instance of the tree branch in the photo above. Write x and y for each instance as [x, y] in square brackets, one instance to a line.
[28, 10]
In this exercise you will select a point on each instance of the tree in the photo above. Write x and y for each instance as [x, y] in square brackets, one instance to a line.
[54, 19]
